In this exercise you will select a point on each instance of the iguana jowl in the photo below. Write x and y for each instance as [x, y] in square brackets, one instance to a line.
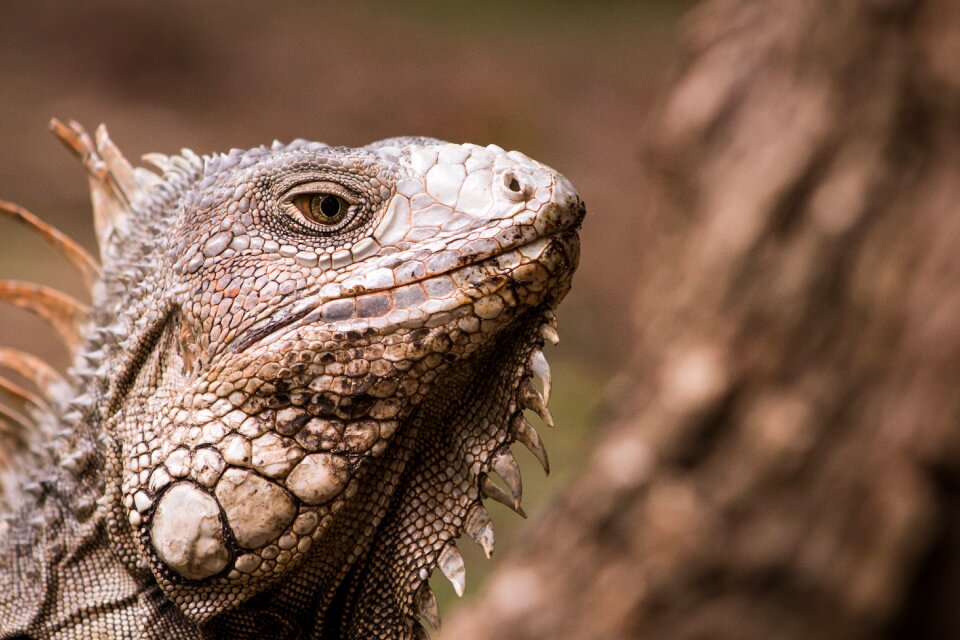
[300, 365]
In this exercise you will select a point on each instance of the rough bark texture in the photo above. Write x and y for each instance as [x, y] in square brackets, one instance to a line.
[786, 461]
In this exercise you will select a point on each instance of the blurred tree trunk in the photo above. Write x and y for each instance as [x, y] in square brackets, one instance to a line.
[786, 460]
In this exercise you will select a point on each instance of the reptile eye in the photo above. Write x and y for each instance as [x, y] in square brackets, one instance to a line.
[323, 208]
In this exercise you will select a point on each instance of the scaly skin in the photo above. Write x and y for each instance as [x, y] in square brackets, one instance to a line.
[278, 424]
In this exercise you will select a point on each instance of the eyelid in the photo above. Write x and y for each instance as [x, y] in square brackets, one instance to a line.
[321, 186]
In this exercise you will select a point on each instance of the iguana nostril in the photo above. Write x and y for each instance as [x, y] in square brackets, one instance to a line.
[515, 186]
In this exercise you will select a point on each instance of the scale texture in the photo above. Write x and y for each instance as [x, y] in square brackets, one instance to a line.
[300, 369]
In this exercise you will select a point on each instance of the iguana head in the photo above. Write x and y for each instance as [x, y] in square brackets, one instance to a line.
[318, 356]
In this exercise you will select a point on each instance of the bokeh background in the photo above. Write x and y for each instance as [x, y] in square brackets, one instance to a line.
[567, 83]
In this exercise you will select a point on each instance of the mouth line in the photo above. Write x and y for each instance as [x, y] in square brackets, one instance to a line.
[303, 308]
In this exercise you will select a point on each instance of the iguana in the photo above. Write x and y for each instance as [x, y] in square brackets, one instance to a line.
[301, 365]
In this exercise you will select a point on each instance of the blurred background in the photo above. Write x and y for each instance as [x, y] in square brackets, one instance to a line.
[568, 83]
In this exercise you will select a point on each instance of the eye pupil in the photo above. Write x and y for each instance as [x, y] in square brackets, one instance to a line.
[326, 209]
[328, 206]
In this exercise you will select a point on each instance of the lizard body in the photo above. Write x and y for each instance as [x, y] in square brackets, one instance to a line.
[299, 369]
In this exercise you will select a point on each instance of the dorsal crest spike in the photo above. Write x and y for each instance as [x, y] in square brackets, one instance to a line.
[147, 178]
[120, 169]
[190, 155]
[527, 436]
[186, 166]
[116, 188]
[86, 264]
[159, 160]
[189, 162]
[451, 565]
[479, 526]
[427, 606]
[39, 373]
[21, 397]
[18, 425]
[507, 468]
[66, 314]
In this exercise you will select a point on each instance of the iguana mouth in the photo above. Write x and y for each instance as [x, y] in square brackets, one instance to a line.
[314, 308]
